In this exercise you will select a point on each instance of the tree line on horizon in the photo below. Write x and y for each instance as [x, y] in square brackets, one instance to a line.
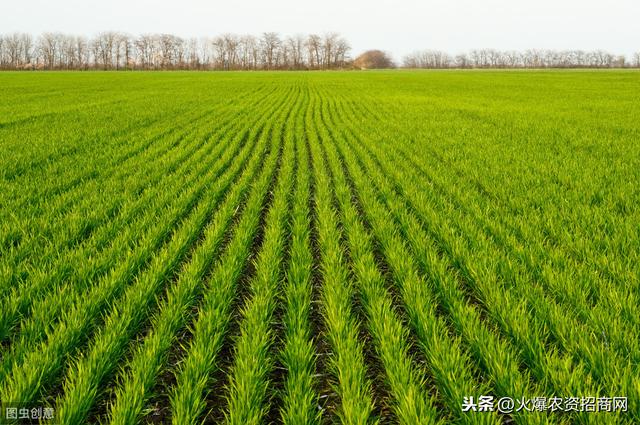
[268, 51]
[532, 58]
[121, 51]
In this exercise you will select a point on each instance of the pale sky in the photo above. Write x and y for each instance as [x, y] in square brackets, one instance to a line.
[399, 27]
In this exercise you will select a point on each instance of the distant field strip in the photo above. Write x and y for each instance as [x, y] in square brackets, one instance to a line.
[318, 248]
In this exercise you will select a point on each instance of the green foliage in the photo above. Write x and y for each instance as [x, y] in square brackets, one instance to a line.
[308, 248]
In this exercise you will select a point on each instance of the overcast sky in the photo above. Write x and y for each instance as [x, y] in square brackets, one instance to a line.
[398, 26]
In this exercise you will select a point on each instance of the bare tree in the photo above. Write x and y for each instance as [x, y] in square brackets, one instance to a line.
[146, 49]
[123, 51]
[270, 43]
[205, 54]
[229, 45]
[295, 45]
[428, 59]
[462, 61]
[67, 52]
[328, 45]
[26, 49]
[341, 53]
[13, 50]
[218, 47]
[512, 59]
[191, 54]
[106, 50]
[250, 48]
[314, 51]
[16, 51]
[479, 58]
[170, 50]
[48, 46]
[81, 53]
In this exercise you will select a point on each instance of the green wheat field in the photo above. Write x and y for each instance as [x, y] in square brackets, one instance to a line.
[318, 248]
